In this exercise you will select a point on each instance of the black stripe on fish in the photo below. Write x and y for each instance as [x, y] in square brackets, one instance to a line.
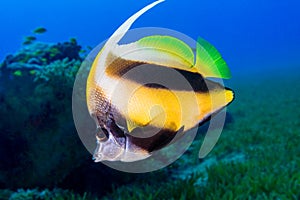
[121, 68]
[196, 82]
[155, 142]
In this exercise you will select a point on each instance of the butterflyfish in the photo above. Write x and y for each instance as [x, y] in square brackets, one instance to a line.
[136, 117]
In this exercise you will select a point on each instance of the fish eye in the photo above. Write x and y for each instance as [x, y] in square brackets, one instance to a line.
[102, 134]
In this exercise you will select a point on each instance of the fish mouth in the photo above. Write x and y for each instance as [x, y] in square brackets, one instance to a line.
[108, 150]
[111, 150]
[110, 139]
[114, 144]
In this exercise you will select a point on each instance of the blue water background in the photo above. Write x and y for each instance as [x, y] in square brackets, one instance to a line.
[251, 35]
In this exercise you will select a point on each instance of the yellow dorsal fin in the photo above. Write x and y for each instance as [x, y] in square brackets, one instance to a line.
[170, 47]
[161, 50]
[171, 52]
[209, 61]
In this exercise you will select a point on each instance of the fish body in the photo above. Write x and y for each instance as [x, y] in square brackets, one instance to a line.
[39, 30]
[30, 38]
[27, 42]
[143, 93]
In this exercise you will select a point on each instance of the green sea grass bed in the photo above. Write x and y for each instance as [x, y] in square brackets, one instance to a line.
[256, 157]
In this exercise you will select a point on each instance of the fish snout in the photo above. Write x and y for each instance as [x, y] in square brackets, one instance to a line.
[108, 149]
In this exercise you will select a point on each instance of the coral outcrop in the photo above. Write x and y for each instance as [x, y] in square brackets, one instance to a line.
[38, 145]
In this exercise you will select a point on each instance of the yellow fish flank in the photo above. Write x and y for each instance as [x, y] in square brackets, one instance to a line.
[122, 103]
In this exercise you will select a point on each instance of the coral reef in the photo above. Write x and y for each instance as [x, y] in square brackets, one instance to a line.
[39, 54]
[58, 71]
[38, 145]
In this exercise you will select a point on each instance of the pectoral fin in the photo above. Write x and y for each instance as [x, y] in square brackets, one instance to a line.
[131, 125]
[157, 119]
